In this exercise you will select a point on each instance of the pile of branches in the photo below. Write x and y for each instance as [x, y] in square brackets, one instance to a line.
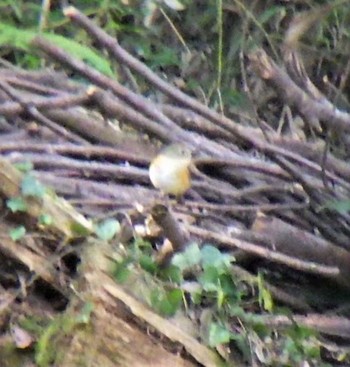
[257, 194]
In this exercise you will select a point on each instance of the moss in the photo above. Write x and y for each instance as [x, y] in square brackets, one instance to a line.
[57, 336]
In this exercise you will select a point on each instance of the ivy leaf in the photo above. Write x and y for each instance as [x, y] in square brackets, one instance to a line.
[107, 229]
[122, 272]
[341, 206]
[212, 257]
[209, 279]
[265, 298]
[24, 166]
[78, 229]
[45, 219]
[30, 186]
[147, 263]
[17, 233]
[16, 205]
[85, 313]
[229, 288]
[188, 258]
[166, 303]
[171, 273]
[218, 335]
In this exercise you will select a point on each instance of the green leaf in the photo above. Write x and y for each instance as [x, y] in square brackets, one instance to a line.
[292, 349]
[78, 229]
[197, 297]
[142, 245]
[166, 303]
[265, 298]
[14, 37]
[188, 258]
[16, 204]
[24, 166]
[212, 257]
[44, 353]
[171, 273]
[236, 98]
[45, 219]
[22, 38]
[107, 229]
[122, 272]
[242, 344]
[147, 263]
[209, 279]
[164, 56]
[17, 233]
[220, 298]
[30, 186]
[229, 288]
[269, 13]
[81, 52]
[218, 335]
[341, 206]
[237, 311]
[85, 313]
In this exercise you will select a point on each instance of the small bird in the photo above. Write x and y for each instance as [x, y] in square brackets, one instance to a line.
[169, 171]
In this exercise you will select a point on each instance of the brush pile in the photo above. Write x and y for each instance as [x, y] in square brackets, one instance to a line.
[276, 202]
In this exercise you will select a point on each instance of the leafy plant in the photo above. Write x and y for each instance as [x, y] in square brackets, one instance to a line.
[166, 302]
[45, 220]
[214, 277]
[16, 204]
[17, 233]
[107, 229]
[218, 335]
[31, 186]
[85, 314]
[24, 166]
[21, 39]
[340, 206]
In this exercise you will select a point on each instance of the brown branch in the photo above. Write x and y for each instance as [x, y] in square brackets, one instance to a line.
[99, 193]
[279, 294]
[92, 169]
[113, 106]
[283, 237]
[39, 87]
[172, 230]
[247, 208]
[242, 162]
[137, 101]
[32, 110]
[9, 109]
[151, 110]
[193, 121]
[141, 157]
[331, 325]
[295, 96]
[124, 57]
[306, 266]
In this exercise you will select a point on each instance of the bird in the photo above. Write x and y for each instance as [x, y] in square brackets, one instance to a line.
[170, 172]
